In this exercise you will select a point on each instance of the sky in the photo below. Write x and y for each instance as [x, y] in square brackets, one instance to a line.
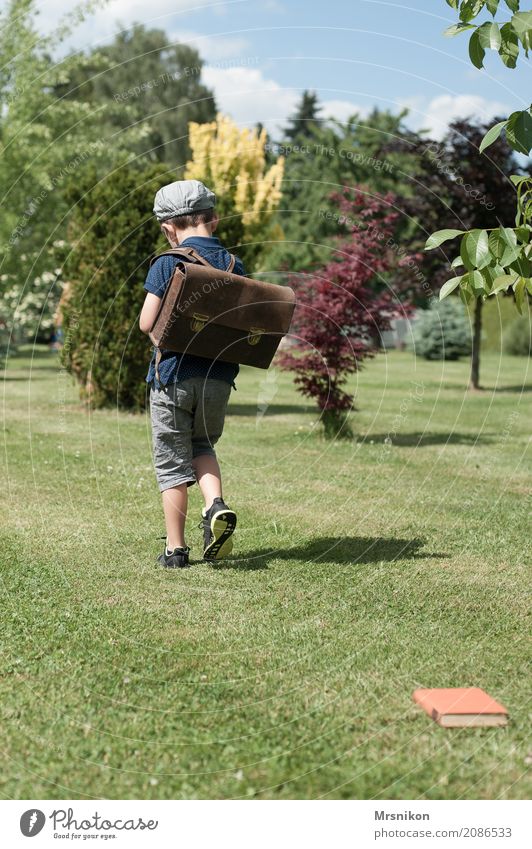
[260, 55]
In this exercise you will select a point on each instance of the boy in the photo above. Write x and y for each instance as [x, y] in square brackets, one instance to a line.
[188, 394]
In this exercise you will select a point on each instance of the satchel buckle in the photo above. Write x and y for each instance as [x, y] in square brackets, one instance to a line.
[254, 335]
[198, 321]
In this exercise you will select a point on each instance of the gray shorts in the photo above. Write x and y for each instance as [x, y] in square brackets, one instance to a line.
[187, 419]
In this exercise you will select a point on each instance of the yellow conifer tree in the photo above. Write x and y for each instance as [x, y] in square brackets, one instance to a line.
[232, 162]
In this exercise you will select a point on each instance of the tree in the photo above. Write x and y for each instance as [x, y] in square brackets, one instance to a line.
[141, 78]
[499, 258]
[113, 233]
[305, 119]
[43, 142]
[456, 188]
[328, 157]
[232, 162]
[343, 308]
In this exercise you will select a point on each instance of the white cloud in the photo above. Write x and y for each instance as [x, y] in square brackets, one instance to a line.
[212, 48]
[248, 97]
[342, 110]
[102, 25]
[441, 110]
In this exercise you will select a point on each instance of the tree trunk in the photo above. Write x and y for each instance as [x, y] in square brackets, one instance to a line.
[474, 382]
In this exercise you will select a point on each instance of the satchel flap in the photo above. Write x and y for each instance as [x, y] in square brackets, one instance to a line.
[208, 295]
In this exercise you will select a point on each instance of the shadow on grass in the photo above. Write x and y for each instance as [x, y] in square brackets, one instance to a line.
[335, 551]
[526, 388]
[419, 439]
[36, 361]
[272, 409]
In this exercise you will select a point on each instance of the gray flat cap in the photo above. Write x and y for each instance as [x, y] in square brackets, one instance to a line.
[184, 197]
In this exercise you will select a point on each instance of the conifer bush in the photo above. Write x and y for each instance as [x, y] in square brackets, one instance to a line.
[112, 233]
[443, 332]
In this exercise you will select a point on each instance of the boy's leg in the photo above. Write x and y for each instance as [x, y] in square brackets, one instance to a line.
[175, 512]
[172, 417]
[218, 520]
[208, 476]
[209, 417]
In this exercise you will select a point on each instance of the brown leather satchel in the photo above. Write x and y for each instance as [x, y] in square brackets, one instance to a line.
[220, 315]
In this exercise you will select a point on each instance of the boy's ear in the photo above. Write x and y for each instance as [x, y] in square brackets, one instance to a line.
[169, 232]
[214, 223]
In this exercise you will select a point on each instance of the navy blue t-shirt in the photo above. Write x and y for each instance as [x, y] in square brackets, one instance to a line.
[174, 366]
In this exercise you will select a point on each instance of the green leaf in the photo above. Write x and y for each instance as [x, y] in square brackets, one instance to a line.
[522, 23]
[509, 249]
[522, 265]
[523, 234]
[519, 131]
[489, 36]
[464, 256]
[492, 6]
[517, 179]
[457, 262]
[456, 29]
[476, 280]
[476, 246]
[476, 51]
[503, 283]
[519, 292]
[453, 4]
[449, 287]
[507, 234]
[470, 8]
[466, 295]
[440, 237]
[496, 245]
[513, 5]
[509, 49]
[489, 274]
[526, 40]
[492, 135]
[502, 248]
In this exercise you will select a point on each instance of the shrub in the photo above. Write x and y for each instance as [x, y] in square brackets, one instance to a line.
[232, 161]
[112, 233]
[442, 332]
[517, 339]
[32, 306]
[343, 308]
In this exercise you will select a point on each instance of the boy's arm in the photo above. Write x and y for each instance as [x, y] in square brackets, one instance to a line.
[149, 312]
[157, 281]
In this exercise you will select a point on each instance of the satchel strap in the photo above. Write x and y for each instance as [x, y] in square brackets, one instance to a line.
[195, 256]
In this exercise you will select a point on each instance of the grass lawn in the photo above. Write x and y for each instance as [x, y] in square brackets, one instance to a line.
[363, 570]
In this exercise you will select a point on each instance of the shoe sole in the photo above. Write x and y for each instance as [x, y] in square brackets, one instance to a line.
[223, 525]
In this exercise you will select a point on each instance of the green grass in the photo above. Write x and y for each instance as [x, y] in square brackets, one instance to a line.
[363, 571]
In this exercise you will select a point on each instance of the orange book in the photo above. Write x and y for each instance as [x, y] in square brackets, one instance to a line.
[461, 707]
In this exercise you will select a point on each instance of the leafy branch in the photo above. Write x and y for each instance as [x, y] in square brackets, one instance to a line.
[498, 259]
[493, 260]
[508, 39]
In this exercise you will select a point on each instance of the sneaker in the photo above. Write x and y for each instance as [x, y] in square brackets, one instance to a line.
[176, 559]
[218, 523]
